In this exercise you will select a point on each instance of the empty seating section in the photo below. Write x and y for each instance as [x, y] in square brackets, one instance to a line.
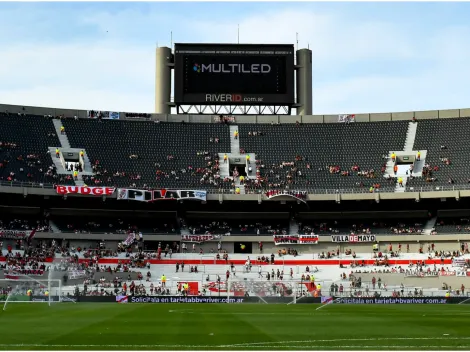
[115, 225]
[315, 147]
[318, 158]
[24, 142]
[454, 225]
[173, 150]
[444, 139]
[365, 226]
[236, 227]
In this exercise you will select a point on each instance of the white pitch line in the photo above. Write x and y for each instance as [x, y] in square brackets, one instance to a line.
[300, 347]
[339, 340]
[271, 344]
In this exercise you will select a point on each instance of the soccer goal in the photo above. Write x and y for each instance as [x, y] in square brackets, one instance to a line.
[21, 288]
[266, 292]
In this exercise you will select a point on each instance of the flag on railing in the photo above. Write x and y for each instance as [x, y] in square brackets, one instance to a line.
[129, 240]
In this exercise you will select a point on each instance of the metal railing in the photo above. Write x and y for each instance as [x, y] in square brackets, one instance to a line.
[445, 188]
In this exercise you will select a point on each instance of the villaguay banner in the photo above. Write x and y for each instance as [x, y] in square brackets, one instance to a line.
[160, 194]
[199, 238]
[17, 235]
[353, 238]
[295, 239]
[84, 190]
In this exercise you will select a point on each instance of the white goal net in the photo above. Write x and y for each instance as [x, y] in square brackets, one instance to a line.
[289, 290]
[18, 287]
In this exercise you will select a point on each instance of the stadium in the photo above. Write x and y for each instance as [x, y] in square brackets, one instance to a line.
[116, 227]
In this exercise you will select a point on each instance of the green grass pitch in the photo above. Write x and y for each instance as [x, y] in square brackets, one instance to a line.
[97, 326]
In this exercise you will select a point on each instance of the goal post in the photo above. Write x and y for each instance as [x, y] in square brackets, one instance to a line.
[21, 288]
[284, 291]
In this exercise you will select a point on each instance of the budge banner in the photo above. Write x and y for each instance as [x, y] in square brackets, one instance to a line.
[85, 190]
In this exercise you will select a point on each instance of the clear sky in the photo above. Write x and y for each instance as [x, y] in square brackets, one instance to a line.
[367, 57]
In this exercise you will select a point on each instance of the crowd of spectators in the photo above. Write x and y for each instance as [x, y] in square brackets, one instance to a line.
[366, 227]
[25, 224]
[236, 227]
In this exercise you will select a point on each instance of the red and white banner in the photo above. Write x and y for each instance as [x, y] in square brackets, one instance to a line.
[198, 238]
[17, 235]
[463, 273]
[447, 273]
[85, 191]
[11, 277]
[295, 239]
[301, 195]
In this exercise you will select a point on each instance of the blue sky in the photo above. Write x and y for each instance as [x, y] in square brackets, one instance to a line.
[367, 57]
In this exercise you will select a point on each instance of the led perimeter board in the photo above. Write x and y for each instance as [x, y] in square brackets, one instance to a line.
[234, 74]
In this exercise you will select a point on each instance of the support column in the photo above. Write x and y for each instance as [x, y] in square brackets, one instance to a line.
[163, 80]
[304, 81]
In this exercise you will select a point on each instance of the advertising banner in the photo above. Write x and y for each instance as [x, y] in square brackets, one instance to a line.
[105, 115]
[160, 194]
[352, 238]
[113, 115]
[392, 300]
[214, 299]
[187, 299]
[84, 190]
[295, 239]
[235, 74]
